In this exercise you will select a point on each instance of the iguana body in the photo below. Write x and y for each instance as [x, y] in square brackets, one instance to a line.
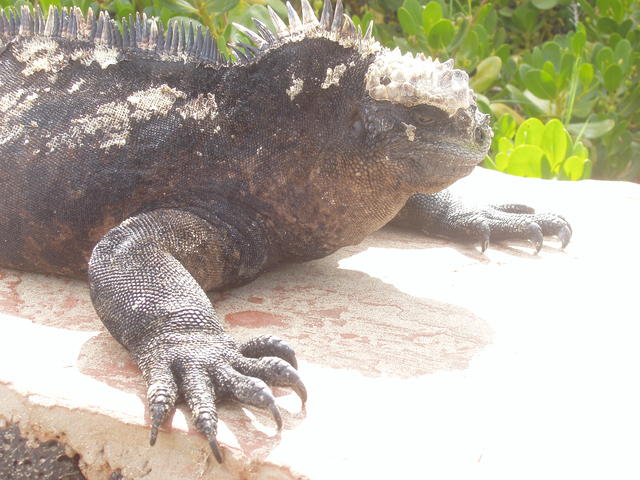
[163, 171]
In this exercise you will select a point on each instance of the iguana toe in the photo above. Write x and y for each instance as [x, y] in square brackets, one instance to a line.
[207, 425]
[161, 394]
[247, 390]
[269, 346]
[274, 371]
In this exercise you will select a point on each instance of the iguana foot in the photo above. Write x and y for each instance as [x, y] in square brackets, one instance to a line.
[445, 214]
[204, 367]
[518, 222]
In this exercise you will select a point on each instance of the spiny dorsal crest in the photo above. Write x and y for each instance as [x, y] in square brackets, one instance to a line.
[406, 79]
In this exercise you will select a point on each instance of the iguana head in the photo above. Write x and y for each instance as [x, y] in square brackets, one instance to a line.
[423, 113]
[414, 115]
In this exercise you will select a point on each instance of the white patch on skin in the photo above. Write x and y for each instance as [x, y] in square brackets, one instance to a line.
[154, 100]
[199, 108]
[40, 54]
[418, 80]
[333, 75]
[410, 131]
[82, 55]
[76, 86]
[101, 54]
[7, 134]
[13, 106]
[105, 56]
[10, 100]
[111, 120]
[295, 88]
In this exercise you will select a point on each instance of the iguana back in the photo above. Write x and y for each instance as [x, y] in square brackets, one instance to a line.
[97, 126]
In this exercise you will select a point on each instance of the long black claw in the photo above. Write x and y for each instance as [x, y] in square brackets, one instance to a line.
[301, 391]
[207, 425]
[156, 420]
[213, 443]
[276, 415]
[535, 237]
[158, 412]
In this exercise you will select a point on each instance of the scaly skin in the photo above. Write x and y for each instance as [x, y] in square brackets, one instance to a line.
[163, 173]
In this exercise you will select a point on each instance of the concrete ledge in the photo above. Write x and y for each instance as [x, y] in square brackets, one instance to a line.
[423, 359]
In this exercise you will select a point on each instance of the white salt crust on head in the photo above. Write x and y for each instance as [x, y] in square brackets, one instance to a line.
[418, 80]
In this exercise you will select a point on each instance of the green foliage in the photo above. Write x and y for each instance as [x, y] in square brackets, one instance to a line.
[534, 149]
[561, 78]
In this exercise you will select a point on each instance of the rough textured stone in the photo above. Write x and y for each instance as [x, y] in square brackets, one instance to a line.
[423, 359]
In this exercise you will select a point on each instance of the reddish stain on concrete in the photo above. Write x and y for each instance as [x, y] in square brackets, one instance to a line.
[255, 319]
[348, 335]
[255, 299]
[69, 302]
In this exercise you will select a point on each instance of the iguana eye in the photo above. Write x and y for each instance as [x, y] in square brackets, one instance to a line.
[423, 118]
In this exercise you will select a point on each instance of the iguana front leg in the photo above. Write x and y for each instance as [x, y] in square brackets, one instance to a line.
[147, 279]
[445, 214]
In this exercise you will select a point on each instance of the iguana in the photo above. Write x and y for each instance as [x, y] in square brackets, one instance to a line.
[158, 168]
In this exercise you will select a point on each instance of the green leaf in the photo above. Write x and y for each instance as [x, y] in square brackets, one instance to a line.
[441, 34]
[613, 76]
[591, 130]
[606, 25]
[470, 46]
[573, 167]
[414, 9]
[578, 40]
[522, 99]
[281, 9]
[487, 73]
[406, 21]
[549, 68]
[525, 161]
[530, 132]
[540, 83]
[623, 54]
[124, 8]
[503, 51]
[552, 52]
[604, 57]
[502, 161]
[525, 18]
[488, 163]
[554, 143]
[505, 145]
[431, 13]
[505, 126]
[567, 66]
[585, 75]
[580, 151]
[544, 4]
